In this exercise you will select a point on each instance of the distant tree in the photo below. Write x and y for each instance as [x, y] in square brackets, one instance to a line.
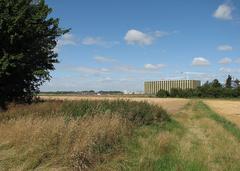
[162, 93]
[215, 83]
[28, 37]
[206, 84]
[175, 92]
[229, 82]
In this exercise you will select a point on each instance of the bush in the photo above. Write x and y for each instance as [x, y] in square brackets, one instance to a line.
[202, 92]
[162, 93]
[137, 112]
[175, 92]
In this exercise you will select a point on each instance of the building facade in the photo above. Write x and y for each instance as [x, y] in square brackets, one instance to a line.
[152, 87]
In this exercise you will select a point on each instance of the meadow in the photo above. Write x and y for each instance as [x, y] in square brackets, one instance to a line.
[109, 133]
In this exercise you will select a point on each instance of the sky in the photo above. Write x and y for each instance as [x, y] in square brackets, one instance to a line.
[117, 45]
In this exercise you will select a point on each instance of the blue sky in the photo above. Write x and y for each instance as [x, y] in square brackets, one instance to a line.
[117, 45]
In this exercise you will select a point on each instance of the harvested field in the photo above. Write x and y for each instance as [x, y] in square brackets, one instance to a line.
[227, 108]
[172, 105]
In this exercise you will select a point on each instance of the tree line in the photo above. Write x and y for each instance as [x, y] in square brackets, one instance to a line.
[214, 89]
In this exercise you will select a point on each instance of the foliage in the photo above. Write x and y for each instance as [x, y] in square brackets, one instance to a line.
[229, 82]
[139, 113]
[162, 93]
[210, 89]
[216, 84]
[28, 38]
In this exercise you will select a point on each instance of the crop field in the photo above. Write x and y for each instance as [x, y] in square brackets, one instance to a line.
[112, 133]
[227, 108]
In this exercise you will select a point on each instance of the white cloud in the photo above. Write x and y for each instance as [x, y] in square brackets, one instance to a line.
[161, 33]
[229, 70]
[90, 70]
[154, 66]
[137, 37]
[103, 59]
[92, 41]
[147, 69]
[225, 48]
[97, 84]
[223, 12]
[200, 61]
[203, 76]
[99, 41]
[134, 36]
[237, 60]
[225, 61]
[66, 39]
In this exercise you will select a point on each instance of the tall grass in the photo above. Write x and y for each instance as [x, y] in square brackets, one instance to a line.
[80, 135]
[137, 112]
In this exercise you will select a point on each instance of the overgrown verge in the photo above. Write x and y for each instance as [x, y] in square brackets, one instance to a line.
[79, 135]
[137, 112]
[228, 125]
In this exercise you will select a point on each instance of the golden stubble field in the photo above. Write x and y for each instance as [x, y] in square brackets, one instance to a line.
[172, 105]
[229, 109]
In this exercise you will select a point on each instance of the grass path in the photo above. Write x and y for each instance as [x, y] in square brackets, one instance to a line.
[196, 139]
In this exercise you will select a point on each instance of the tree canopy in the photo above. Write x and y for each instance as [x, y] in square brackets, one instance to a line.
[212, 89]
[229, 82]
[28, 38]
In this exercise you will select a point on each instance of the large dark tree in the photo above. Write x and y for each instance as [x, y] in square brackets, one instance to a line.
[28, 37]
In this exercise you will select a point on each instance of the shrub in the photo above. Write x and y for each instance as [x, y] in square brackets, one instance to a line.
[204, 91]
[162, 93]
[137, 112]
[175, 92]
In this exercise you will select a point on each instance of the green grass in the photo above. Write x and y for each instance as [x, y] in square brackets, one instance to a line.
[161, 146]
[145, 152]
[228, 125]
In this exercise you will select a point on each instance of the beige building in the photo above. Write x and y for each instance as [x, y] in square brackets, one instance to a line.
[152, 87]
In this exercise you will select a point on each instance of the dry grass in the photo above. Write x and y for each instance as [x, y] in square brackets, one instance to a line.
[46, 143]
[227, 108]
[71, 135]
[172, 105]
